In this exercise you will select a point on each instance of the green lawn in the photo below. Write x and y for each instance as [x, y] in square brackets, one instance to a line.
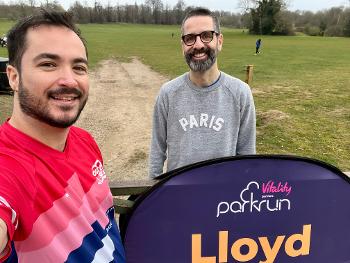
[301, 84]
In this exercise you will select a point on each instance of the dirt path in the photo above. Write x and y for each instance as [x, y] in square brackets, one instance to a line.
[119, 115]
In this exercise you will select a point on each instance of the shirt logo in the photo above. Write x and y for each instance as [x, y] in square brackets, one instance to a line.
[98, 172]
[202, 120]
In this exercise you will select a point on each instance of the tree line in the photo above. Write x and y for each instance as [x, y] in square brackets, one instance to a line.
[263, 17]
[267, 17]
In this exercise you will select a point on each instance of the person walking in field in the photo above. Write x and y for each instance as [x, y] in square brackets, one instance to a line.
[205, 113]
[257, 46]
[55, 202]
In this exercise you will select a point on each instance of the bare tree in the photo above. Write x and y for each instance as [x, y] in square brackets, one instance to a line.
[179, 10]
[246, 5]
[31, 3]
[157, 8]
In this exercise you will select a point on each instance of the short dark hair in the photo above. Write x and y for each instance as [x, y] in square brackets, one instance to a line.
[202, 12]
[16, 37]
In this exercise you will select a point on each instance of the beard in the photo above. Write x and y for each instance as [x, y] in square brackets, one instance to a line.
[39, 108]
[201, 65]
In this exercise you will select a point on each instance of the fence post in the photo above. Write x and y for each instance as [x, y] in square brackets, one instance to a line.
[249, 74]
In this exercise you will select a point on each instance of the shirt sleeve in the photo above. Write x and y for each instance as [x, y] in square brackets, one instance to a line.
[159, 136]
[246, 143]
[10, 198]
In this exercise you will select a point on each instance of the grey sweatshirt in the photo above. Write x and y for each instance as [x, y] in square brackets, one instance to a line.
[192, 124]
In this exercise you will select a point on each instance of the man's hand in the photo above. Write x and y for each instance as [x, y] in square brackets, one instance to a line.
[3, 237]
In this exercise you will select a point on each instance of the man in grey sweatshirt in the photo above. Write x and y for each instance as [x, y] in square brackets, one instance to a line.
[205, 113]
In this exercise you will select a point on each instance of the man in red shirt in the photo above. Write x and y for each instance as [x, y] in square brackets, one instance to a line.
[55, 203]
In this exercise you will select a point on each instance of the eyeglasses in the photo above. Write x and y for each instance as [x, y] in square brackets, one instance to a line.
[205, 36]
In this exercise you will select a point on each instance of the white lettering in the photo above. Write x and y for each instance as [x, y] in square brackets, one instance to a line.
[212, 121]
[218, 124]
[219, 211]
[203, 120]
[183, 123]
[248, 197]
[193, 121]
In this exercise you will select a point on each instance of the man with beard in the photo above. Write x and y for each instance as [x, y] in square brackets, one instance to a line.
[205, 113]
[55, 203]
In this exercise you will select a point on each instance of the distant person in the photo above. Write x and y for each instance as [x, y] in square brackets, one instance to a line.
[55, 202]
[257, 46]
[3, 41]
[205, 113]
[172, 34]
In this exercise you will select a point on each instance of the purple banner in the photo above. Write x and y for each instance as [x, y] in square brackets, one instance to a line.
[244, 209]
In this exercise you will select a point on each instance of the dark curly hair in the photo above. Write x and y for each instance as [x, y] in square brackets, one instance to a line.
[16, 37]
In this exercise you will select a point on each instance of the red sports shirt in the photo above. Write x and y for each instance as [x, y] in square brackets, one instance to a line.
[57, 205]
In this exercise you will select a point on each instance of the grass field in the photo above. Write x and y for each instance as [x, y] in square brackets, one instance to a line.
[301, 84]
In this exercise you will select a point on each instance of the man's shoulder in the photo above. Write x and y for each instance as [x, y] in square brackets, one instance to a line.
[79, 133]
[174, 84]
[233, 80]
[234, 84]
[15, 160]
[10, 150]
[80, 137]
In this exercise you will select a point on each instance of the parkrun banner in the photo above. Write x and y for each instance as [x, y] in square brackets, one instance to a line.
[243, 209]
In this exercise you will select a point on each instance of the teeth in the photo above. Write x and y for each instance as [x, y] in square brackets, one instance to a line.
[199, 55]
[64, 98]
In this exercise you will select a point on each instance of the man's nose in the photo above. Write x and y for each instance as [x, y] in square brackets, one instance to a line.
[67, 78]
[198, 44]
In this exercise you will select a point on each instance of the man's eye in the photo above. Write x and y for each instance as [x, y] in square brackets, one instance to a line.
[81, 69]
[47, 65]
[206, 35]
[189, 37]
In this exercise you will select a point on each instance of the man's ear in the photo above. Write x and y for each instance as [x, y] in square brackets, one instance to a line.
[13, 77]
[220, 41]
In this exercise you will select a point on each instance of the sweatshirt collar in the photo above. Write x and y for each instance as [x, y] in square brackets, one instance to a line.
[209, 88]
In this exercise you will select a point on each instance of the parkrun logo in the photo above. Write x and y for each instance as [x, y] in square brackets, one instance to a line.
[258, 199]
[294, 246]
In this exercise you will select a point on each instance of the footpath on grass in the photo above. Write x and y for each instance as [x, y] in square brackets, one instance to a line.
[119, 115]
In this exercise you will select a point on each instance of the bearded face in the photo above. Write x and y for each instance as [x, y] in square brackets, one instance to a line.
[45, 109]
[201, 43]
[200, 60]
[53, 81]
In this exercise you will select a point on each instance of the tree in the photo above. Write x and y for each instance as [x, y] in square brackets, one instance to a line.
[145, 14]
[179, 10]
[346, 30]
[53, 5]
[81, 14]
[157, 8]
[266, 17]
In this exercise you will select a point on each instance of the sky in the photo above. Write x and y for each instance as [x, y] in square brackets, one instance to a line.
[227, 5]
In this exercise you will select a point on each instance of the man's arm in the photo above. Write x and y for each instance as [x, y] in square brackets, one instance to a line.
[3, 238]
[159, 135]
[247, 131]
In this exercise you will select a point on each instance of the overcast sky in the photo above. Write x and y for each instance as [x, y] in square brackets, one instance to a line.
[227, 5]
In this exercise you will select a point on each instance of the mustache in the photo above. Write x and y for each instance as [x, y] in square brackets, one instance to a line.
[198, 51]
[64, 91]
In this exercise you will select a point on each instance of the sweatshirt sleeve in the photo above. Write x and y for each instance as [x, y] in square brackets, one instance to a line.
[159, 136]
[247, 132]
